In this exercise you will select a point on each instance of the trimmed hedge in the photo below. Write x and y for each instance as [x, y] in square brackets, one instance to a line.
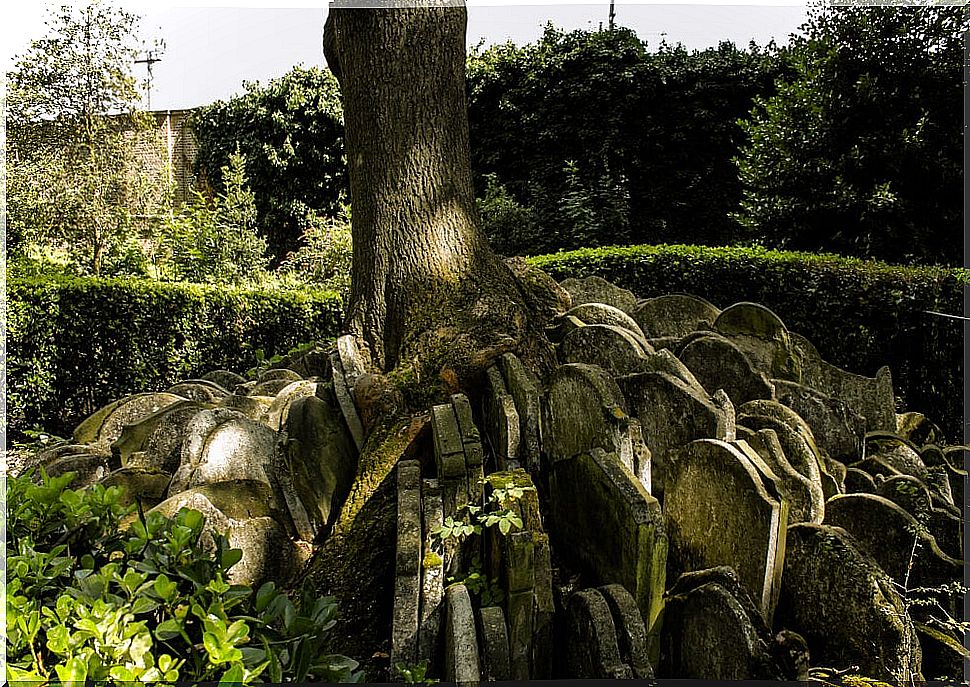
[76, 344]
[859, 314]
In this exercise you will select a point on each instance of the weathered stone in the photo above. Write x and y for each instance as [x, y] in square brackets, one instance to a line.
[461, 643]
[763, 338]
[526, 506]
[495, 644]
[858, 481]
[268, 553]
[253, 407]
[894, 538]
[542, 633]
[870, 397]
[591, 648]
[723, 507]
[104, 427]
[501, 420]
[595, 289]
[320, 459]
[233, 500]
[717, 363]
[845, 606]
[311, 362]
[281, 374]
[671, 414]
[520, 610]
[665, 361]
[601, 313]
[727, 427]
[407, 583]
[543, 294]
[631, 633]
[714, 631]
[674, 315]
[224, 378]
[897, 453]
[913, 496]
[561, 326]
[607, 523]
[351, 360]
[346, 400]
[806, 499]
[271, 387]
[201, 390]
[613, 348]
[586, 410]
[156, 440]
[275, 416]
[938, 482]
[944, 657]
[798, 447]
[223, 445]
[146, 485]
[433, 578]
[918, 429]
[449, 450]
[524, 389]
[642, 463]
[835, 426]
[244, 388]
[88, 468]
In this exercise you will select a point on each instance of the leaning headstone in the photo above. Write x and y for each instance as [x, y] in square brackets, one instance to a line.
[894, 538]
[595, 289]
[432, 578]
[722, 507]
[799, 449]
[279, 374]
[345, 398]
[270, 387]
[845, 606]
[495, 644]
[601, 313]
[607, 523]
[267, 552]
[807, 501]
[591, 648]
[918, 429]
[542, 634]
[88, 468]
[836, 427]
[224, 378]
[462, 663]
[320, 460]
[897, 453]
[674, 315]
[501, 420]
[524, 389]
[253, 407]
[671, 414]
[713, 604]
[717, 363]
[449, 455]
[275, 416]
[105, 426]
[407, 578]
[351, 361]
[914, 497]
[201, 390]
[155, 441]
[859, 482]
[613, 348]
[631, 633]
[870, 397]
[763, 338]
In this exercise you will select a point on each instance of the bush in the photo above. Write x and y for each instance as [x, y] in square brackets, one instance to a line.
[325, 255]
[860, 315]
[88, 600]
[75, 344]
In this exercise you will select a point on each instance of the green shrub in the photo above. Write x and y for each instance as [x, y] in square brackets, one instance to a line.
[859, 314]
[75, 344]
[87, 600]
[325, 255]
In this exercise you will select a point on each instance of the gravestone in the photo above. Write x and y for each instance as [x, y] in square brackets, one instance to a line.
[631, 633]
[918, 429]
[155, 441]
[858, 481]
[914, 497]
[763, 338]
[601, 313]
[837, 429]
[807, 502]
[200, 390]
[870, 397]
[275, 416]
[279, 374]
[519, 558]
[798, 449]
[524, 389]
[591, 649]
[607, 524]
[407, 566]
[352, 363]
[270, 387]
[542, 633]
[462, 663]
[845, 606]
[146, 485]
[713, 630]
[674, 315]
[501, 420]
[614, 349]
[253, 407]
[105, 426]
[495, 644]
[345, 398]
[595, 289]
[717, 363]
[432, 577]
[224, 378]
[722, 507]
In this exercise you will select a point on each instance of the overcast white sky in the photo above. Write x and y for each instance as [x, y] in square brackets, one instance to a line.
[211, 48]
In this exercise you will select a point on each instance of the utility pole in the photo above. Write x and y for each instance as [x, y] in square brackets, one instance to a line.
[612, 14]
[151, 57]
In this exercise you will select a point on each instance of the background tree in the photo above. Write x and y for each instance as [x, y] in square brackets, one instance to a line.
[862, 152]
[71, 137]
[291, 134]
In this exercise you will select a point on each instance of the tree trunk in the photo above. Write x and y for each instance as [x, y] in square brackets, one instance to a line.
[418, 252]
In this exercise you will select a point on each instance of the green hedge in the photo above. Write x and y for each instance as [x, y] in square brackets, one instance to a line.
[75, 344]
[860, 315]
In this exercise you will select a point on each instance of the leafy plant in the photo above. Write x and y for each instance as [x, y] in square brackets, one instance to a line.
[415, 674]
[90, 601]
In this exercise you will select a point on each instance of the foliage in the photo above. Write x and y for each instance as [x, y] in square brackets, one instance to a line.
[860, 315]
[291, 134]
[215, 240]
[587, 138]
[861, 153]
[325, 254]
[414, 674]
[75, 344]
[88, 600]
[72, 139]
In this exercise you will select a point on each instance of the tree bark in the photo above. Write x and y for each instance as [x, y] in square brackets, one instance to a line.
[418, 251]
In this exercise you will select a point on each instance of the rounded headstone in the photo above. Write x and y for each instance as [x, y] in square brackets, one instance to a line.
[673, 315]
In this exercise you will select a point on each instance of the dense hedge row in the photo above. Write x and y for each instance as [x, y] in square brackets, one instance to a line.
[74, 345]
[860, 315]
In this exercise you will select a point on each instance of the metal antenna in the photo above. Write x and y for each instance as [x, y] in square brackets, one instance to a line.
[151, 57]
